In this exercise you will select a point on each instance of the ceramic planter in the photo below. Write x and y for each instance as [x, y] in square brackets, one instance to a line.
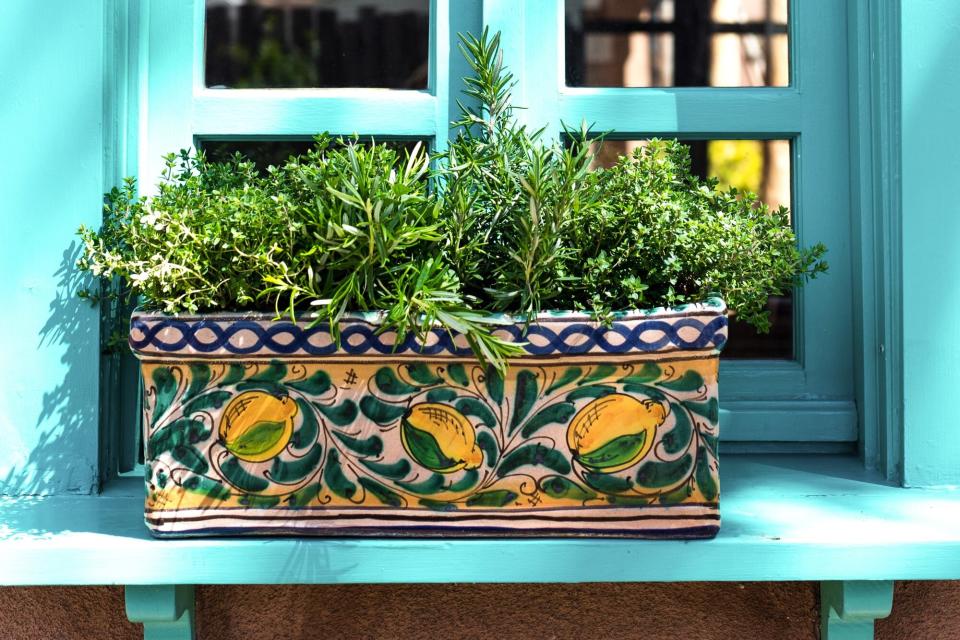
[261, 426]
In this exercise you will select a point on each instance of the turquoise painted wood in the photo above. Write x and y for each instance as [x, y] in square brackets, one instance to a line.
[849, 608]
[52, 180]
[731, 112]
[250, 113]
[784, 518]
[930, 120]
[165, 611]
[874, 49]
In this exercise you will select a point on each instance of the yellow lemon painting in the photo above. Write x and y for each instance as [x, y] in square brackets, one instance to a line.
[614, 432]
[256, 425]
[440, 438]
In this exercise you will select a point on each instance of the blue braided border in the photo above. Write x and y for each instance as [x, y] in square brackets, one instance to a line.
[712, 334]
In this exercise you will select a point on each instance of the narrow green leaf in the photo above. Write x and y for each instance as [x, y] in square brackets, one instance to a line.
[676, 496]
[488, 445]
[237, 476]
[165, 388]
[234, 375]
[571, 374]
[558, 413]
[645, 390]
[306, 433]
[199, 377]
[383, 494]
[494, 383]
[562, 487]
[525, 397]
[705, 478]
[303, 497]
[709, 409]
[422, 374]
[212, 400]
[469, 479]
[497, 498]
[435, 483]
[458, 374]
[533, 455]
[316, 385]
[207, 487]
[689, 381]
[437, 505]
[593, 391]
[600, 372]
[678, 438]
[393, 470]
[181, 432]
[372, 446]
[388, 382]
[298, 468]
[477, 408]
[606, 483]
[342, 414]
[191, 458]
[335, 479]
[661, 474]
[274, 372]
[649, 372]
[380, 412]
[442, 395]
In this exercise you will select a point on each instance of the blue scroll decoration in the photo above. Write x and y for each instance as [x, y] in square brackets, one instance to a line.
[573, 339]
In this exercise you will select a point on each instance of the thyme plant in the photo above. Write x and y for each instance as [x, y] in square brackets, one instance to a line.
[504, 221]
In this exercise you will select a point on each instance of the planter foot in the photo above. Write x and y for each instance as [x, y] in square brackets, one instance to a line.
[166, 611]
[848, 608]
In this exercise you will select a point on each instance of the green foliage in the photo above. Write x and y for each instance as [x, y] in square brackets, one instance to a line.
[505, 221]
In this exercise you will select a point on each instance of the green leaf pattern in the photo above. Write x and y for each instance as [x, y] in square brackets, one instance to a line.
[344, 442]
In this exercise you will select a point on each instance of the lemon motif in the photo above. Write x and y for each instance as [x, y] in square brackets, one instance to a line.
[614, 432]
[257, 425]
[440, 438]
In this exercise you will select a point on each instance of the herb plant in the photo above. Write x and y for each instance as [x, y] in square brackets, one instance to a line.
[505, 221]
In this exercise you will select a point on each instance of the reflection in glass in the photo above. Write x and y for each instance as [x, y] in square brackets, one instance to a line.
[759, 166]
[677, 43]
[264, 153]
[316, 43]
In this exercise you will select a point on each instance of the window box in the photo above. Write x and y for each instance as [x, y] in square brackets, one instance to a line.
[255, 425]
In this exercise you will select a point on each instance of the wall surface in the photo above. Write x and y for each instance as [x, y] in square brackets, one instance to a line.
[930, 115]
[724, 611]
[51, 178]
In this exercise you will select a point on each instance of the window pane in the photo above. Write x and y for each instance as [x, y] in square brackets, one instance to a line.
[264, 153]
[317, 43]
[760, 166]
[677, 43]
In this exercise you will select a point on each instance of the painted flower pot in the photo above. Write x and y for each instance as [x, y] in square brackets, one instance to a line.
[261, 426]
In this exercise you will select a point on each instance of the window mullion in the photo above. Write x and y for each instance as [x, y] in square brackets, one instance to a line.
[531, 33]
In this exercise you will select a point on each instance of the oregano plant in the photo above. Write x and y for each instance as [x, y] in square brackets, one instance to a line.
[503, 221]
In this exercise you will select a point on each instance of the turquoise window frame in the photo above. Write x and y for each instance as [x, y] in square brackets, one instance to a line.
[828, 399]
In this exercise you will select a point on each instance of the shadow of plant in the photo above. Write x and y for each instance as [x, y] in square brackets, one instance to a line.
[63, 458]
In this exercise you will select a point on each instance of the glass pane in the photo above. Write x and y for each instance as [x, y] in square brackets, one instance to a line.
[760, 166]
[264, 153]
[317, 43]
[677, 43]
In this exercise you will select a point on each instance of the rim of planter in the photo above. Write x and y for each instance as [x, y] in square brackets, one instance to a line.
[694, 326]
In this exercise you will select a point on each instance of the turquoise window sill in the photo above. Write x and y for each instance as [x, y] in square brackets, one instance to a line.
[784, 518]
